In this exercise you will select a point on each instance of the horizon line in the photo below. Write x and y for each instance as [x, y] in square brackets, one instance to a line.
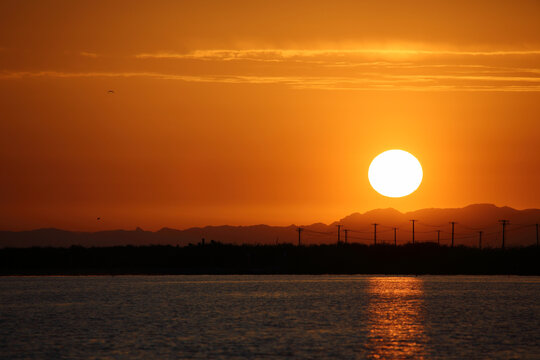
[139, 228]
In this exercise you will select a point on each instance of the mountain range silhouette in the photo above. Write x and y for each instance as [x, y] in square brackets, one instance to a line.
[471, 219]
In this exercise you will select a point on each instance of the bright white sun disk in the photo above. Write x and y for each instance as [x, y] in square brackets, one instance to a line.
[395, 173]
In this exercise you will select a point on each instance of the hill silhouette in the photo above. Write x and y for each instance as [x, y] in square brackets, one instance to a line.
[470, 220]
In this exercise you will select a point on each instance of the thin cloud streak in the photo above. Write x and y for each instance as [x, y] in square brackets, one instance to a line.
[462, 65]
[276, 55]
[368, 81]
[88, 54]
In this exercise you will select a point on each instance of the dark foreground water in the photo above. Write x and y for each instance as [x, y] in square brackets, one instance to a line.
[212, 317]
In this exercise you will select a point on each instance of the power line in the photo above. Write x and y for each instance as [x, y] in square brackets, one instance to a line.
[360, 232]
[329, 236]
[469, 228]
[520, 227]
[421, 232]
[319, 232]
[360, 238]
[376, 231]
[430, 225]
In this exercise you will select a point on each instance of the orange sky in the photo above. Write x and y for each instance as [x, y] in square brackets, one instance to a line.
[244, 112]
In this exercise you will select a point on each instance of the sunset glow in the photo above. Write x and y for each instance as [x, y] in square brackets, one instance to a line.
[243, 112]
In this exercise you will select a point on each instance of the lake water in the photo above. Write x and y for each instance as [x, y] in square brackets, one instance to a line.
[301, 317]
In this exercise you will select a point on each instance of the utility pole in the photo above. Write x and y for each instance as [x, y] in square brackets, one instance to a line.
[395, 237]
[504, 223]
[453, 223]
[338, 234]
[346, 231]
[413, 221]
[439, 237]
[375, 233]
[536, 235]
[299, 235]
[480, 240]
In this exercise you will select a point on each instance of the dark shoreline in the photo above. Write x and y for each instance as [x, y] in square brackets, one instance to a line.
[224, 259]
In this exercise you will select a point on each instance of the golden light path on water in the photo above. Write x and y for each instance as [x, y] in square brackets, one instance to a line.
[395, 318]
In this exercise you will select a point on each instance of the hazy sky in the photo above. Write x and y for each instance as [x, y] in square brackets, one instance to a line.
[244, 112]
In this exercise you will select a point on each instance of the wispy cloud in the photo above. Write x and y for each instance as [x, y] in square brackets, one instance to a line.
[331, 69]
[277, 55]
[88, 54]
[379, 69]
[367, 81]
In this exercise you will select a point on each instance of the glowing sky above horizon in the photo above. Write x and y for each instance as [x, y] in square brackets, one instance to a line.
[245, 112]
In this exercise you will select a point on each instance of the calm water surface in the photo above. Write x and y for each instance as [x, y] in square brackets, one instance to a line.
[218, 317]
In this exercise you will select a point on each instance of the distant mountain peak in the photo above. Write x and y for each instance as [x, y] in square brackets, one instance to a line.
[385, 211]
[375, 213]
[484, 206]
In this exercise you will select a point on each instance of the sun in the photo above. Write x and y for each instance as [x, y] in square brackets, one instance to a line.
[395, 173]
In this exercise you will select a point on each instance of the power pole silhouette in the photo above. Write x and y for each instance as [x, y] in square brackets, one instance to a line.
[299, 235]
[536, 235]
[395, 237]
[346, 231]
[439, 237]
[504, 223]
[338, 233]
[413, 221]
[453, 223]
[480, 240]
[375, 233]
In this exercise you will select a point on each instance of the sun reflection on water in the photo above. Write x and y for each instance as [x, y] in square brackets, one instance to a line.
[395, 318]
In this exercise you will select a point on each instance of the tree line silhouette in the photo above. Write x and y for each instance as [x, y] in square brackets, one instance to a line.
[218, 258]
